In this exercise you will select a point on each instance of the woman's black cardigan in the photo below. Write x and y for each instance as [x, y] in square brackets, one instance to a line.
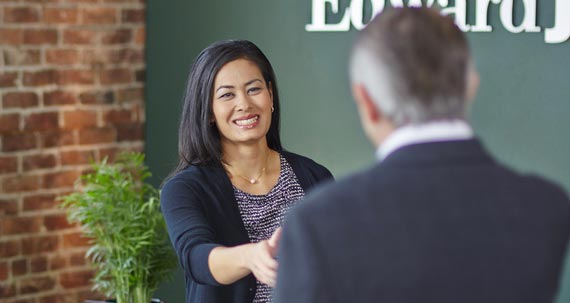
[201, 213]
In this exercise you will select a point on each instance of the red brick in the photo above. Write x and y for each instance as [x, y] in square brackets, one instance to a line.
[36, 284]
[74, 76]
[100, 15]
[20, 99]
[75, 240]
[38, 161]
[77, 157]
[113, 56]
[39, 78]
[7, 291]
[109, 153]
[61, 15]
[62, 56]
[8, 207]
[9, 248]
[39, 244]
[97, 135]
[20, 267]
[20, 225]
[132, 55]
[75, 279]
[4, 271]
[57, 262]
[19, 141]
[56, 222]
[57, 138]
[60, 179]
[40, 202]
[140, 36]
[117, 116]
[42, 121]
[77, 259]
[128, 55]
[133, 16]
[40, 36]
[23, 14]
[97, 97]
[10, 36]
[8, 164]
[96, 56]
[79, 119]
[80, 36]
[130, 132]
[38, 264]
[140, 75]
[115, 76]
[120, 36]
[18, 57]
[9, 123]
[8, 79]
[59, 98]
[21, 183]
[130, 95]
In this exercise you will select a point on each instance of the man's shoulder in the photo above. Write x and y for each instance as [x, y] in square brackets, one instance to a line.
[547, 191]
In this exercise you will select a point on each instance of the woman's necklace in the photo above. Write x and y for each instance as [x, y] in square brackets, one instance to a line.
[250, 180]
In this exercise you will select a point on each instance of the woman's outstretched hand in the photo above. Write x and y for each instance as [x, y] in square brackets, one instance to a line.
[261, 259]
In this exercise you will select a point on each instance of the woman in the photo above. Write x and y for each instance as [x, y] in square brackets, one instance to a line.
[234, 182]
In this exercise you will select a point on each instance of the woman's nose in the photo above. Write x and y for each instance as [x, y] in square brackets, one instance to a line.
[243, 102]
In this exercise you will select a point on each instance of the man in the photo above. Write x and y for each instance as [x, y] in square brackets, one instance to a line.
[437, 219]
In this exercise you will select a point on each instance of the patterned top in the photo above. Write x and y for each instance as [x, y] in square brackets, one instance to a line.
[262, 214]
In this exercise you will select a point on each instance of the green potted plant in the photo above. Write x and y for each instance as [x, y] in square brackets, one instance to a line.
[121, 215]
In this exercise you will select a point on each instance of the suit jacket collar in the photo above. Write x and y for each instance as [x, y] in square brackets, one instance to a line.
[447, 152]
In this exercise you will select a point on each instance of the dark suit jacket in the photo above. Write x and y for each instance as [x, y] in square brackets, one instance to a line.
[435, 222]
[201, 213]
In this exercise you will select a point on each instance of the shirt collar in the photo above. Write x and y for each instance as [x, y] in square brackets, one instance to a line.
[435, 131]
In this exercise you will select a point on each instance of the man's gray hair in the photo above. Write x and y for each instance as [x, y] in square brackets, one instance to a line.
[414, 64]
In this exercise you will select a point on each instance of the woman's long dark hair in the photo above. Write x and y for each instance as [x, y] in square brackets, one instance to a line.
[198, 138]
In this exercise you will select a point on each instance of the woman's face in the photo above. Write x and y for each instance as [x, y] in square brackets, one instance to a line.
[241, 103]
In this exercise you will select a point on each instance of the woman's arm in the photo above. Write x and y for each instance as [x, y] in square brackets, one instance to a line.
[191, 234]
[229, 264]
[193, 238]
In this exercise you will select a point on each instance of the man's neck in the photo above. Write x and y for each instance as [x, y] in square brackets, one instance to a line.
[434, 131]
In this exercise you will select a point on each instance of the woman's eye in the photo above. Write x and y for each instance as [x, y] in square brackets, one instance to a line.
[225, 96]
[254, 89]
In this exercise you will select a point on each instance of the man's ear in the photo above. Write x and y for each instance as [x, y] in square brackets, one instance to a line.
[366, 106]
[473, 81]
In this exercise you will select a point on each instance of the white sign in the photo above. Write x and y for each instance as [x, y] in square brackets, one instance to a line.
[353, 15]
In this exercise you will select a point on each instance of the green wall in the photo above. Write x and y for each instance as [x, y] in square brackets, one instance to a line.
[521, 112]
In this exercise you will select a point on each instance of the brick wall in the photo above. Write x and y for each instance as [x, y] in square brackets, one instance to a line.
[71, 89]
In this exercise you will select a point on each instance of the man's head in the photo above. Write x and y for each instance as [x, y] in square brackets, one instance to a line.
[410, 66]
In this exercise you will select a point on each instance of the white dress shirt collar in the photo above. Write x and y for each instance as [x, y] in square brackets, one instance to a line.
[436, 131]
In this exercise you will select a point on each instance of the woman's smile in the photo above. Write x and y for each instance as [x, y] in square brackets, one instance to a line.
[247, 122]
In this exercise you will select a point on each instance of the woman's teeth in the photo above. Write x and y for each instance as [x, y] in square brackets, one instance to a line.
[247, 122]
